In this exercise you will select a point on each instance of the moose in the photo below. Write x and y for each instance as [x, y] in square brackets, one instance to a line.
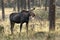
[20, 18]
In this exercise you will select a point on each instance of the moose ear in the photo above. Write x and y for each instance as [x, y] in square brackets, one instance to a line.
[32, 9]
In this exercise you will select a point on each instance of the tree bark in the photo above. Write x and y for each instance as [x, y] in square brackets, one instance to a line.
[52, 14]
[39, 3]
[51, 34]
[46, 5]
[33, 4]
[28, 4]
[24, 4]
[18, 5]
[21, 4]
[3, 13]
[14, 5]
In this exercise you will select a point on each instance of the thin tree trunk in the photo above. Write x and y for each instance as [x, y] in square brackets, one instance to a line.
[33, 4]
[36, 2]
[21, 4]
[14, 5]
[24, 4]
[18, 5]
[46, 5]
[3, 13]
[39, 3]
[28, 4]
[51, 34]
[52, 14]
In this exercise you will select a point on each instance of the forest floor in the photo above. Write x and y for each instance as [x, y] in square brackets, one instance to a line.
[38, 30]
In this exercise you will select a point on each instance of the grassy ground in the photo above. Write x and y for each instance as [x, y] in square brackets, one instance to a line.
[37, 31]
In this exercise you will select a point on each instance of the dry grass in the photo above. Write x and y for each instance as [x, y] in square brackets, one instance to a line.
[36, 30]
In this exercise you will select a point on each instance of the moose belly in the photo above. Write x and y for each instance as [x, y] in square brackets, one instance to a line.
[16, 21]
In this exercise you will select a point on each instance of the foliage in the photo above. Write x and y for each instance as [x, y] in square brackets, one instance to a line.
[42, 13]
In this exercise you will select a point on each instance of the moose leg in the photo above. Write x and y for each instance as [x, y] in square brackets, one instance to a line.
[12, 26]
[21, 27]
[27, 27]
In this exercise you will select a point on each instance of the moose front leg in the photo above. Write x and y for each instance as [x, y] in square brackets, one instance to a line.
[21, 27]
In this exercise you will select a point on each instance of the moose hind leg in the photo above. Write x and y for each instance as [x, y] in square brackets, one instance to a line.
[27, 28]
[12, 26]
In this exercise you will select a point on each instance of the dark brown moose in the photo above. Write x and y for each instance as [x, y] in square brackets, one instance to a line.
[21, 17]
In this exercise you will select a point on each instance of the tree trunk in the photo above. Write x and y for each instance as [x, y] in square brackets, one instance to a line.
[28, 4]
[46, 5]
[14, 5]
[52, 14]
[24, 4]
[3, 13]
[33, 4]
[51, 34]
[39, 3]
[18, 5]
[21, 4]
